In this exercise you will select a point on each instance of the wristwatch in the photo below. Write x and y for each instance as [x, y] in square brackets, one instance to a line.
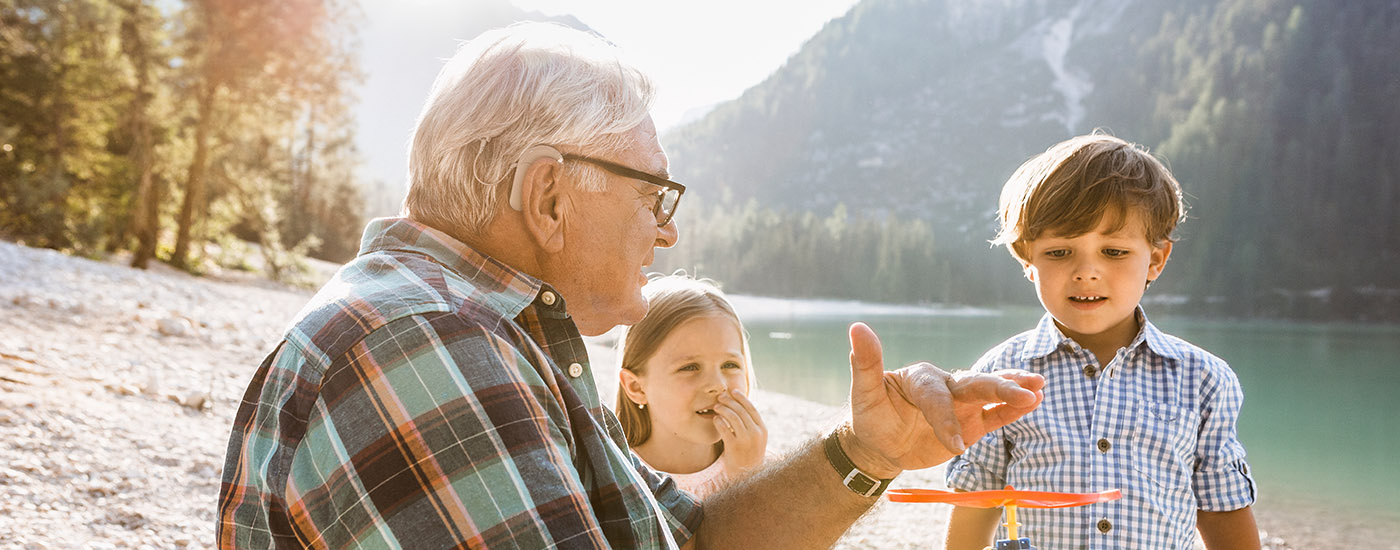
[853, 478]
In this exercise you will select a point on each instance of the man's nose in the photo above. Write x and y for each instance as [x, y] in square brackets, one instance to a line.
[667, 235]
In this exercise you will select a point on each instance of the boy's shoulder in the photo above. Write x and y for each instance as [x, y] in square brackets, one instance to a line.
[1007, 353]
[1189, 356]
[1179, 349]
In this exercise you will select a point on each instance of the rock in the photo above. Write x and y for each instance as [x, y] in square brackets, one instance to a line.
[174, 326]
[199, 400]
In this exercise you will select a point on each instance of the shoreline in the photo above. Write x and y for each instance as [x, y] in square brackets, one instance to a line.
[118, 388]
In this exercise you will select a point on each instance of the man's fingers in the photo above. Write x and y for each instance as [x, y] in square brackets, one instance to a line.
[867, 364]
[1016, 388]
[926, 387]
[1003, 414]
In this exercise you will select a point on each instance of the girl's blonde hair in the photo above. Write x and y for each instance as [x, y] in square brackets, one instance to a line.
[673, 300]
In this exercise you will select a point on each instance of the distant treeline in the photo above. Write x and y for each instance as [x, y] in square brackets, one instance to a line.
[162, 126]
[766, 252]
[761, 251]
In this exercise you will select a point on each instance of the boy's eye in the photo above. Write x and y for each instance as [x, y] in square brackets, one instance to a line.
[1114, 252]
[731, 365]
[689, 367]
[1057, 253]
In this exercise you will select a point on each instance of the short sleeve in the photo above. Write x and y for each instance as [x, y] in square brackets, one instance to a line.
[1221, 481]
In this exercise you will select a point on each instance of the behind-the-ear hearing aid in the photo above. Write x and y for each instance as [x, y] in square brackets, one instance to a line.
[527, 159]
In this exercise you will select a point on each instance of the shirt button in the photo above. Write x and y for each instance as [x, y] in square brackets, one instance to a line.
[1104, 445]
[1089, 371]
[575, 370]
[1105, 526]
[548, 298]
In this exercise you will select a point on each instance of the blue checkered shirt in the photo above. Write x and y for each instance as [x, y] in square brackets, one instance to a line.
[1158, 423]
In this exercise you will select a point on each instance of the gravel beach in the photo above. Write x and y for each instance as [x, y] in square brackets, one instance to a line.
[118, 386]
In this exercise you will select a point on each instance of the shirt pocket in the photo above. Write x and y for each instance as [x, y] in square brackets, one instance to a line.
[1163, 453]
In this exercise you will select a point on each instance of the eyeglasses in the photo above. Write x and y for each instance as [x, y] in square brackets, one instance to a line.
[666, 199]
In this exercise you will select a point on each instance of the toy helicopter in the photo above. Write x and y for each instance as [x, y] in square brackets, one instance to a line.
[1009, 499]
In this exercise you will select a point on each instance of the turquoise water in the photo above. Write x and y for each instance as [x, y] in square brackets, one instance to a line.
[1321, 421]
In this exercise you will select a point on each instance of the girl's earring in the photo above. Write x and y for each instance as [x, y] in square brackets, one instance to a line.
[642, 406]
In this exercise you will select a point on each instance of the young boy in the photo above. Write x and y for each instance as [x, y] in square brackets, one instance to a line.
[1126, 406]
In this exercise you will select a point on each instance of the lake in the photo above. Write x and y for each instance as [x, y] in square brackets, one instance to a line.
[1322, 401]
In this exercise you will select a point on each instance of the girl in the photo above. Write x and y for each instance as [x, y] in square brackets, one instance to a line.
[683, 387]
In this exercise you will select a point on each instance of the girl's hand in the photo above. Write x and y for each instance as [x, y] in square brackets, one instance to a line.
[744, 435]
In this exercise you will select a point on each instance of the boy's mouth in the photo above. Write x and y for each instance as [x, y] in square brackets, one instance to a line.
[1087, 299]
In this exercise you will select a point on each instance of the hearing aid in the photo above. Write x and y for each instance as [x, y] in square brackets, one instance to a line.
[528, 159]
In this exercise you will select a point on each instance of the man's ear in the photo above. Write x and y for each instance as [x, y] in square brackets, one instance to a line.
[537, 192]
[632, 386]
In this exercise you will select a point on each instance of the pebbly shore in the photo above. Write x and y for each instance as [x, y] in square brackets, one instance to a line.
[118, 387]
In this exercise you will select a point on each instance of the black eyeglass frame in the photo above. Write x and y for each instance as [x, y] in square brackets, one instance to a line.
[653, 179]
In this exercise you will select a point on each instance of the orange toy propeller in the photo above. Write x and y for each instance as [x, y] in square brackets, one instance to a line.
[997, 499]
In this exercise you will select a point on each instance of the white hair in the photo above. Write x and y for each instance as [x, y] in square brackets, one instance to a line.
[503, 92]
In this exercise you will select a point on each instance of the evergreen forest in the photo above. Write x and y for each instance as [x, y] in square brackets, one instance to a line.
[180, 131]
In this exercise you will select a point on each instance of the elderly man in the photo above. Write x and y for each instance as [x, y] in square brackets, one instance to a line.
[437, 394]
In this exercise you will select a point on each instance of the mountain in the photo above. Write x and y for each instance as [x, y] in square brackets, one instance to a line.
[1277, 116]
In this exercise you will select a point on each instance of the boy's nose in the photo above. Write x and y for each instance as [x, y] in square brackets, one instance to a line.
[1086, 272]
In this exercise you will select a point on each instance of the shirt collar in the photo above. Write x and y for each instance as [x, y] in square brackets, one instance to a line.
[509, 291]
[1046, 338]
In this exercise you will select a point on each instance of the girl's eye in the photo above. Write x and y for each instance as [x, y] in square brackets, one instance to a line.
[689, 367]
[731, 365]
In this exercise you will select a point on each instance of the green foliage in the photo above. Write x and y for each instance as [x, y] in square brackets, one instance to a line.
[761, 251]
[104, 103]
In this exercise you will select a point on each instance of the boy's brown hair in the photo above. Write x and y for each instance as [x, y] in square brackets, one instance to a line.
[1074, 184]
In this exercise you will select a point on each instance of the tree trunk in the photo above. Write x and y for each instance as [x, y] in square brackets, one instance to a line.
[194, 179]
[145, 224]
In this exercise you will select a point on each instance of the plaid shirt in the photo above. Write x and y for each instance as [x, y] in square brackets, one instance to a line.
[418, 402]
[1158, 422]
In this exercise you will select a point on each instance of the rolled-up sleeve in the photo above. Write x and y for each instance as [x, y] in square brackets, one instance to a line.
[1222, 480]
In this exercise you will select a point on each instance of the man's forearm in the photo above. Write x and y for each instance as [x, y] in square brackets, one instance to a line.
[797, 503]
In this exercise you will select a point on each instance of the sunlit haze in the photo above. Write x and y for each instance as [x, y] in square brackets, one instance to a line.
[698, 53]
